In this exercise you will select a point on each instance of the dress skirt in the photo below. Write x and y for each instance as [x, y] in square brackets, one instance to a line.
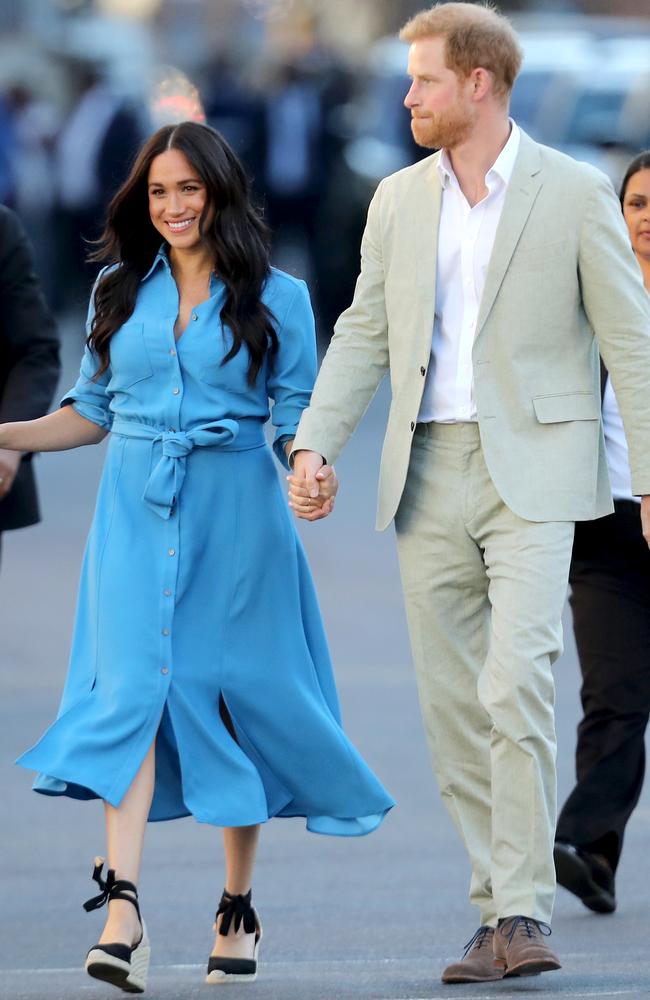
[198, 626]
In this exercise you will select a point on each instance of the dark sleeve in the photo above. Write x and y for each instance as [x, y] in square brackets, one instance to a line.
[29, 344]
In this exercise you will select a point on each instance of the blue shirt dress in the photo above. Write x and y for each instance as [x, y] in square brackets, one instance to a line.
[195, 593]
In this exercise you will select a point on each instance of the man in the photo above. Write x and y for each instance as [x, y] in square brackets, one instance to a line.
[29, 366]
[486, 270]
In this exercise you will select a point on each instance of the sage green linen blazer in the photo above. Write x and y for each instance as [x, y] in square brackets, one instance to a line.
[562, 284]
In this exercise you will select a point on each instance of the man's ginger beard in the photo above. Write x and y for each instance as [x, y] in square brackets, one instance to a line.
[443, 129]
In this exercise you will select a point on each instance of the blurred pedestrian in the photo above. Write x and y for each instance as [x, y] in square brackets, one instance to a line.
[36, 124]
[490, 273]
[93, 154]
[294, 156]
[610, 600]
[29, 366]
[200, 681]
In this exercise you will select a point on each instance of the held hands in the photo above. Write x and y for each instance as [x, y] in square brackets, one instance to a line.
[312, 487]
[645, 518]
[9, 462]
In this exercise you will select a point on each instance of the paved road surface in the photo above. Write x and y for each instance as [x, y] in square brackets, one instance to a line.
[374, 918]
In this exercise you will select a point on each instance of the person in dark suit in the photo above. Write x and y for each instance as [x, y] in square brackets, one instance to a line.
[610, 600]
[29, 366]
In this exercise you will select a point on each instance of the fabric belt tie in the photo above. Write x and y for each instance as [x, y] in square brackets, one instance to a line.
[166, 478]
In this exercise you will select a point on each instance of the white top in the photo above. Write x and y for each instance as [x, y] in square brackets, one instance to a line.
[616, 447]
[465, 241]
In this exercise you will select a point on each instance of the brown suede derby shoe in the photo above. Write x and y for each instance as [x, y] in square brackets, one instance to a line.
[477, 964]
[520, 948]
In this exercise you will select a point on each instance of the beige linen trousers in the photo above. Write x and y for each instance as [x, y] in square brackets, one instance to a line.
[484, 512]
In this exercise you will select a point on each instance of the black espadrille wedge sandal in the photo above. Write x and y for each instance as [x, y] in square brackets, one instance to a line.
[235, 970]
[118, 964]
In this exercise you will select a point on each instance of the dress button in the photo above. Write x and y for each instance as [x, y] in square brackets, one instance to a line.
[165, 631]
[423, 370]
[176, 390]
[194, 316]
[167, 592]
[412, 426]
[165, 670]
[172, 351]
[172, 552]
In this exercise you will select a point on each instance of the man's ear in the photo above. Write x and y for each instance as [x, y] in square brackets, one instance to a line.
[482, 81]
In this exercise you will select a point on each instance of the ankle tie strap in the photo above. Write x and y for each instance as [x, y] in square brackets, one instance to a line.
[239, 909]
[112, 888]
[526, 926]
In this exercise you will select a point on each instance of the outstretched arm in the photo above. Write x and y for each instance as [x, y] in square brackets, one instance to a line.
[58, 431]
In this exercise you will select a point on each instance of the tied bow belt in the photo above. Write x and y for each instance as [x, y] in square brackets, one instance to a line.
[166, 477]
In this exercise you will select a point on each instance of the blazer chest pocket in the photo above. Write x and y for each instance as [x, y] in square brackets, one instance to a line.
[130, 362]
[562, 407]
[540, 257]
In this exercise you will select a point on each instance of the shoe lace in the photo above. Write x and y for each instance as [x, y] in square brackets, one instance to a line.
[479, 940]
[526, 926]
[239, 909]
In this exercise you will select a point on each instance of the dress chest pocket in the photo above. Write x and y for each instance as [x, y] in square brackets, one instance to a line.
[130, 361]
[230, 376]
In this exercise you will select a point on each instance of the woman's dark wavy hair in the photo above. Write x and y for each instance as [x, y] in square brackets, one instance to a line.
[237, 237]
[640, 162]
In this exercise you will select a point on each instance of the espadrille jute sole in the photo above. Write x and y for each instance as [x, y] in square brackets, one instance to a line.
[218, 978]
[131, 977]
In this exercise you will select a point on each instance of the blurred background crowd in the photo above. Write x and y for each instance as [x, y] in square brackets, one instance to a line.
[309, 92]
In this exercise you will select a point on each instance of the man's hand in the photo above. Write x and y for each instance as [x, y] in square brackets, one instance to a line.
[645, 518]
[312, 487]
[9, 462]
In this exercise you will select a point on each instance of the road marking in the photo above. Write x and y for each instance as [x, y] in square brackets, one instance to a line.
[491, 996]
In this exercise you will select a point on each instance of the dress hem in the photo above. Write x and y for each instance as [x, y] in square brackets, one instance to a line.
[330, 826]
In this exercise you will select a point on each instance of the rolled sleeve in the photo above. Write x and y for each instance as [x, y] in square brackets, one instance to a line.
[89, 396]
[292, 370]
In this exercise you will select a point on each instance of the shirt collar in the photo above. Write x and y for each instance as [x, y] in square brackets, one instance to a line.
[160, 258]
[501, 168]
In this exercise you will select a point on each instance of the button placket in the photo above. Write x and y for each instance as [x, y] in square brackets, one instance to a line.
[168, 604]
[172, 550]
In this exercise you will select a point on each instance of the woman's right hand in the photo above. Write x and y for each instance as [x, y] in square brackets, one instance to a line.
[58, 431]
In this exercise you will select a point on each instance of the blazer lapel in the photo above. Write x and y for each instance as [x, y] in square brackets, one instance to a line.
[422, 227]
[522, 191]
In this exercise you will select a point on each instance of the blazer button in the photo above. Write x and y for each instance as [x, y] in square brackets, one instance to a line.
[412, 426]
[423, 370]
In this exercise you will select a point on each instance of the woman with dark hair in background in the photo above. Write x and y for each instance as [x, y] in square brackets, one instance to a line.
[610, 600]
[200, 681]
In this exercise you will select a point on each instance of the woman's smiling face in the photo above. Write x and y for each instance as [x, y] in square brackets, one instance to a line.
[177, 198]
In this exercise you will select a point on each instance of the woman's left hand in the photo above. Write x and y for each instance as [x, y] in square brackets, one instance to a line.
[314, 508]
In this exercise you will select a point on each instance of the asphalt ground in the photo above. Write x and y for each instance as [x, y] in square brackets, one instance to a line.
[377, 917]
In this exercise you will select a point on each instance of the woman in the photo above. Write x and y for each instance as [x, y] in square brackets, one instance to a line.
[610, 599]
[200, 680]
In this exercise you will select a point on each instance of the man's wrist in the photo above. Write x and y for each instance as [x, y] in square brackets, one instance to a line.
[292, 456]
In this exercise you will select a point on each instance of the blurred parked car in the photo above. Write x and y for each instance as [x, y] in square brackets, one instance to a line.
[551, 61]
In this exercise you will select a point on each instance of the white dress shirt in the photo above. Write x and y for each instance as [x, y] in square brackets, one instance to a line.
[465, 241]
[616, 447]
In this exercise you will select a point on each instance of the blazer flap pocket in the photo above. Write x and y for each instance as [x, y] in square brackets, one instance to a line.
[565, 406]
